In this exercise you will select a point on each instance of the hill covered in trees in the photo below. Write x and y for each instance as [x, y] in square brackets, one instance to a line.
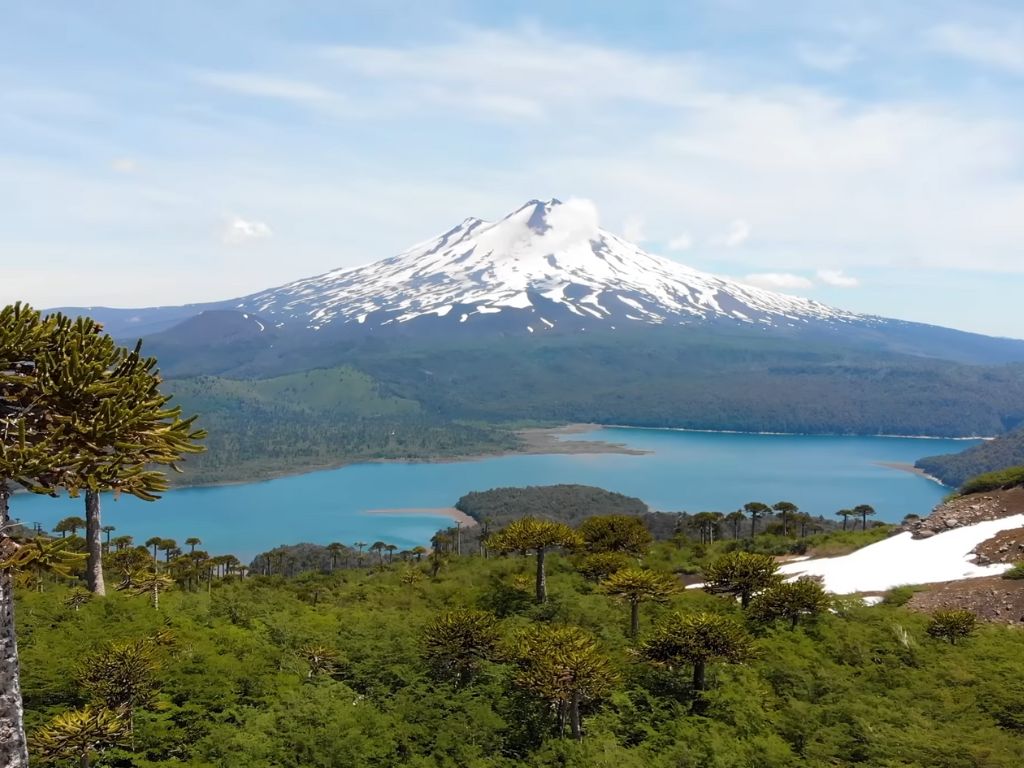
[360, 667]
[991, 456]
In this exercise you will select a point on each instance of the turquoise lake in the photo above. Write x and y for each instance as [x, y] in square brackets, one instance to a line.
[687, 471]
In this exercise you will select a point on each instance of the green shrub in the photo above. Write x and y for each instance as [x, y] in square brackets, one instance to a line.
[994, 481]
[898, 595]
[1016, 572]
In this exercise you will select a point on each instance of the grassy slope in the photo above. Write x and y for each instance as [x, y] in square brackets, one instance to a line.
[234, 691]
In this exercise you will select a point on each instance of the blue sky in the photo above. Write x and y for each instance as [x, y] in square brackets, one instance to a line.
[867, 154]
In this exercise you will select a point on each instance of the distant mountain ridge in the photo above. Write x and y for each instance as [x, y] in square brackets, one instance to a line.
[547, 267]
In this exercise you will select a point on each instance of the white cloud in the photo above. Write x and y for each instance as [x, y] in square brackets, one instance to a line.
[238, 231]
[999, 48]
[681, 242]
[267, 86]
[573, 221]
[633, 228]
[780, 281]
[827, 59]
[739, 231]
[126, 165]
[837, 278]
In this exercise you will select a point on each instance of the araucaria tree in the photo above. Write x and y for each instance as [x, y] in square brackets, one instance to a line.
[755, 509]
[565, 667]
[741, 574]
[786, 510]
[456, 644]
[696, 639]
[637, 586]
[864, 510]
[790, 601]
[77, 413]
[616, 533]
[532, 535]
[952, 625]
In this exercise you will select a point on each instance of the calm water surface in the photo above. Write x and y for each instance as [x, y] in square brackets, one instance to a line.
[690, 471]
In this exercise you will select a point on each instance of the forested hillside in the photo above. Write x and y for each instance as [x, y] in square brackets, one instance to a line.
[991, 456]
[321, 418]
[388, 665]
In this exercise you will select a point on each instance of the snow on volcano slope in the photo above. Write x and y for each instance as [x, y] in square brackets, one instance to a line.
[901, 560]
[547, 264]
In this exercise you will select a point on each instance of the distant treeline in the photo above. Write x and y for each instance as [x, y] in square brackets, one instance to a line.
[991, 456]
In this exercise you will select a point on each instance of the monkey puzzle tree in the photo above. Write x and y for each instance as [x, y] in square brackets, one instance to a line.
[456, 644]
[636, 586]
[696, 639]
[600, 565]
[121, 677]
[952, 625]
[792, 600]
[864, 510]
[755, 509]
[736, 519]
[79, 734]
[146, 582]
[616, 533]
[532, 535]
[741, 574]
[69, 525]
[846, 514]
[565, 667]
[786, 510]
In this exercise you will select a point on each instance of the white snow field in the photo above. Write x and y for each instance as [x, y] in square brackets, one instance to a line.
[901, 560]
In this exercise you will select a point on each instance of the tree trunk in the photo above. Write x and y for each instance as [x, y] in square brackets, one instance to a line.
[574, 716]
[699, 669]
[93, 541]
[83, 761]
[542, 579]
[634, 619]
[845, 518]
[13, 749]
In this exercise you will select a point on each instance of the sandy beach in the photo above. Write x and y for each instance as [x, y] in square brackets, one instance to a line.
[451, 513]
[911, 469]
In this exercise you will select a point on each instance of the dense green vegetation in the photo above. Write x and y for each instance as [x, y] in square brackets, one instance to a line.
[315, 419]
[412, 400]
[566, 503]
[363, 667]
[993, 481]
[991, 456]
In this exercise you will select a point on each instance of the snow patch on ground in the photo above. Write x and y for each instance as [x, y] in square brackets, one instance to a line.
[901, 560]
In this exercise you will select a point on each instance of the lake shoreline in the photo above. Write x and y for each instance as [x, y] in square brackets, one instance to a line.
[546, 441]
[902, 467]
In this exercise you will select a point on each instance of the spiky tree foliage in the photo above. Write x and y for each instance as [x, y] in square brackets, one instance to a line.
[952, 625]
[532, 535]
[457, 643]
[564, 667]
[40, 556]
[154, 542]
[167, 546]
[786, 510]
[69, 525]
[122, 543]
[192, 542]
[146, 582]
[756, 510]
[637, 586]
[790, 601]
[864, 511]
[601, 565]
[696, 639]
[121, 677]
[107, 529]
[79, 735]
[321, 660]
[616, 533]
[741, 574]
[77, 598]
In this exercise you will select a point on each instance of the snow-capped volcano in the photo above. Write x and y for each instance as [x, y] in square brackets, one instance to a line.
[547, 265]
